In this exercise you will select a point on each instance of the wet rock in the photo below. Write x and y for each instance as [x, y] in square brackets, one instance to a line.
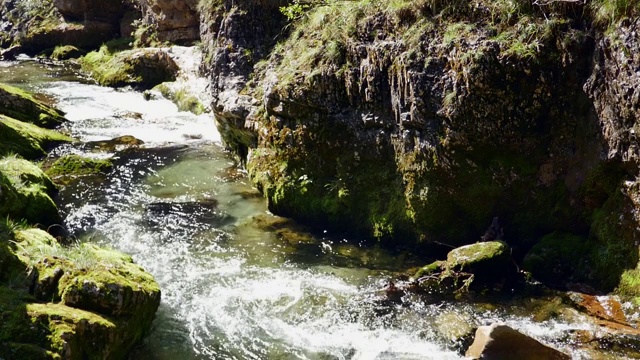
[603, 307]
[142, 68]
[169, 215]
[502, 342]
[26, 193]
[286, 229]
[457, 328]
[21, 105]
[481, 266]
[75, 165]
[115, 144]
[490, 260]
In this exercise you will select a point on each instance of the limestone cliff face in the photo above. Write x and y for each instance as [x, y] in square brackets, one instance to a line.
[41, 25]
[175, 21]
[403, 125]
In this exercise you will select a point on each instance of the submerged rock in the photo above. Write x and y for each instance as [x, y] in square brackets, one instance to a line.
[498, 341]
[115, 144]
[26, 193]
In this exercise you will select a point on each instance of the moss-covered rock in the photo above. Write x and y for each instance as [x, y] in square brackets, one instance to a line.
[485, 266]
[79, 302]
[27, 140]
[143, 68]
[484, 259]
[26, 192]
[181, 97]
[558, 257]
[21, 105]
[67, 52]
[70, 165]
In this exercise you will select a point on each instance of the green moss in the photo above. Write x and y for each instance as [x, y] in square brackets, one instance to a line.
[144, 68]
[559, 257]
[27, 140]
[21, 105]
[66, 52]
[432, 268]
[78, 165]
[26, 192]
[182, 98]
[474, 255]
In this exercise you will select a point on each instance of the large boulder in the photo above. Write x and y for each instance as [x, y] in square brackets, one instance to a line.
[143, 68]
[25, 192]
[27, 140]
[497, 342]
[21, 105]
[78, 302]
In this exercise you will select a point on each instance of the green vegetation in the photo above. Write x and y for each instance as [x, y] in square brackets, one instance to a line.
[70, 165]
[609, 12]
[21, 105]
[26, 192]
[182, 98]
[66, 52]
[27, 140]
[144, 68]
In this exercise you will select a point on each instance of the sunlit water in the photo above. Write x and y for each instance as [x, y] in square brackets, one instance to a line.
[231, 290]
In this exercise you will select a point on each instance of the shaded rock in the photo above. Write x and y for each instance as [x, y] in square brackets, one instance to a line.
[26, 193]
[502, 342]
[27, 140]
[170, 215]
[286, 229]
[10, 53]
[21, 105]
[478, 267]
[143, 68]
[557, 257]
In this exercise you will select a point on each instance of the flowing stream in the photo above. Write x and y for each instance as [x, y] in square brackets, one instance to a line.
[232, 289]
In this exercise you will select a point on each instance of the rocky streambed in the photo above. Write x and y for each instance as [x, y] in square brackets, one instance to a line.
[238, 282]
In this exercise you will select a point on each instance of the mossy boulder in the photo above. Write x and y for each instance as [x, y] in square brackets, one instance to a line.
[478, 267]
[75, 165]
[78, 302]
[558, 257]
[25, 192]
[27, 140]
[142, 68]
[21, 105]
[67, 52]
